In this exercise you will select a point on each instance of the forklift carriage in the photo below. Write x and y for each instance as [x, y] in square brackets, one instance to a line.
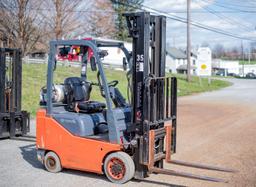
[13, 121]
[118, 138]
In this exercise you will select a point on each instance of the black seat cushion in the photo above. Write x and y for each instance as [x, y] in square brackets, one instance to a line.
[90, 106]
[78, 95]
[77, 89]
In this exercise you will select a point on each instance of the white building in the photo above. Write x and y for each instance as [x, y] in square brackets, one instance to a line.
[244, 69]
[115, 56]
[176, 61]
[225, 67]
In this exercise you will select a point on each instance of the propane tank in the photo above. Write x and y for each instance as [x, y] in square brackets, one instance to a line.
[58, 93]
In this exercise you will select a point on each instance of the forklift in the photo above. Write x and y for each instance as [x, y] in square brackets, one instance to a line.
[120, 139]
[13, 120]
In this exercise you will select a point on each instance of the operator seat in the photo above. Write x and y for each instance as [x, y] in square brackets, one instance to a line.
[78, 95]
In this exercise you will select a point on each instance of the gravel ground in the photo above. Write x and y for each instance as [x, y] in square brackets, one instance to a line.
[217, 128]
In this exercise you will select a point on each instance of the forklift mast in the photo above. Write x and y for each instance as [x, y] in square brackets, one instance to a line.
[154, 96]
[13, 121]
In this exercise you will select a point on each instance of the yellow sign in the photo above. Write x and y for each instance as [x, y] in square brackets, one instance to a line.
[203, 66]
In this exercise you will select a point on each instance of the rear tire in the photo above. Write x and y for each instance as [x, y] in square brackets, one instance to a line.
[52, 162]
[119, 167]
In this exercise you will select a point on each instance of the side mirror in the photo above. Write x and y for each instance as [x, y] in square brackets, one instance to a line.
[103, 53]
[124, 64]
[93, 64]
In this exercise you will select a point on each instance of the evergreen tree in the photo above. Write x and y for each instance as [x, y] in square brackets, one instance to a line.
[120, 7]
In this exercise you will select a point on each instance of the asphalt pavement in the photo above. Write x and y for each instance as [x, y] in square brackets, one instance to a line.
[216, 115]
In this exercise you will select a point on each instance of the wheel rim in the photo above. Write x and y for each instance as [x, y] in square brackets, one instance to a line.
[116, 168]
[51, 163]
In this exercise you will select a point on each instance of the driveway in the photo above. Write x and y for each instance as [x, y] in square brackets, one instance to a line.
[216, 128]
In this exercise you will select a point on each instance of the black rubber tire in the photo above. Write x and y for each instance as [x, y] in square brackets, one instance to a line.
[128, 164]
[52, 162]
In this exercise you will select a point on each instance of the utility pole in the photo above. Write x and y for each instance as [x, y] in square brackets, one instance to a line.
[249, 57]
[188, 41]
[242, 53]
[174, 41]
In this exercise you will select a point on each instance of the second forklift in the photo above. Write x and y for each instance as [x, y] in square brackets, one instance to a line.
[13, 120]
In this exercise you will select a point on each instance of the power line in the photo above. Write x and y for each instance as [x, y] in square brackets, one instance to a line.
[227, 19]
[167, 14]
[219, 11]
[174, 11]
[111, 11]
[228, 7]
[233, 4]
[196, 24]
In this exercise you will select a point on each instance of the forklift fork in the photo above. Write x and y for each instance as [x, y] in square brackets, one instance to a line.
[167, 156]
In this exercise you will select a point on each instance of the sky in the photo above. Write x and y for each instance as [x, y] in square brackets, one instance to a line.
[233, 16]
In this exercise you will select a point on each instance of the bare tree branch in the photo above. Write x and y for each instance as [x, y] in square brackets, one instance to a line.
[102, 23]
[20, 23]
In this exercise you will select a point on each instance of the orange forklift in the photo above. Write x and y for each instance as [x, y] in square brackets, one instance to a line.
[120, 139]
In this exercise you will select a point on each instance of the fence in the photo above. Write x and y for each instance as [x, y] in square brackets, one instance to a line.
[29, 60]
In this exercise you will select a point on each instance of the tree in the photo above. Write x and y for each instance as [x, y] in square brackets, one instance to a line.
[102, 21]
[64, 19]
[218, 51]
[20, 20]
[253, 50]
[235, 53]
[120, 7]
[205, 44]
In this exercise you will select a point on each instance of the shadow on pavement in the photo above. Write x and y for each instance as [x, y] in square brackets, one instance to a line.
[29, 154]
[23, 139]
[157, 183]
[86, 174]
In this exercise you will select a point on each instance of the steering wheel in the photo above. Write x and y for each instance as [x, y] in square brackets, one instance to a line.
[110, 84]
[113, 83]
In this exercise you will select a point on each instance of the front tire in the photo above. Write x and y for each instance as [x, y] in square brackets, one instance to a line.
[119, 167]
[52, 162]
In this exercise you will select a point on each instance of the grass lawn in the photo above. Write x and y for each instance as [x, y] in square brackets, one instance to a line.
[241, 62]
[34, 77]
[188, 88]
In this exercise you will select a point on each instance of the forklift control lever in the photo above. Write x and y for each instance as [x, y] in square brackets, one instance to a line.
[113, 83]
